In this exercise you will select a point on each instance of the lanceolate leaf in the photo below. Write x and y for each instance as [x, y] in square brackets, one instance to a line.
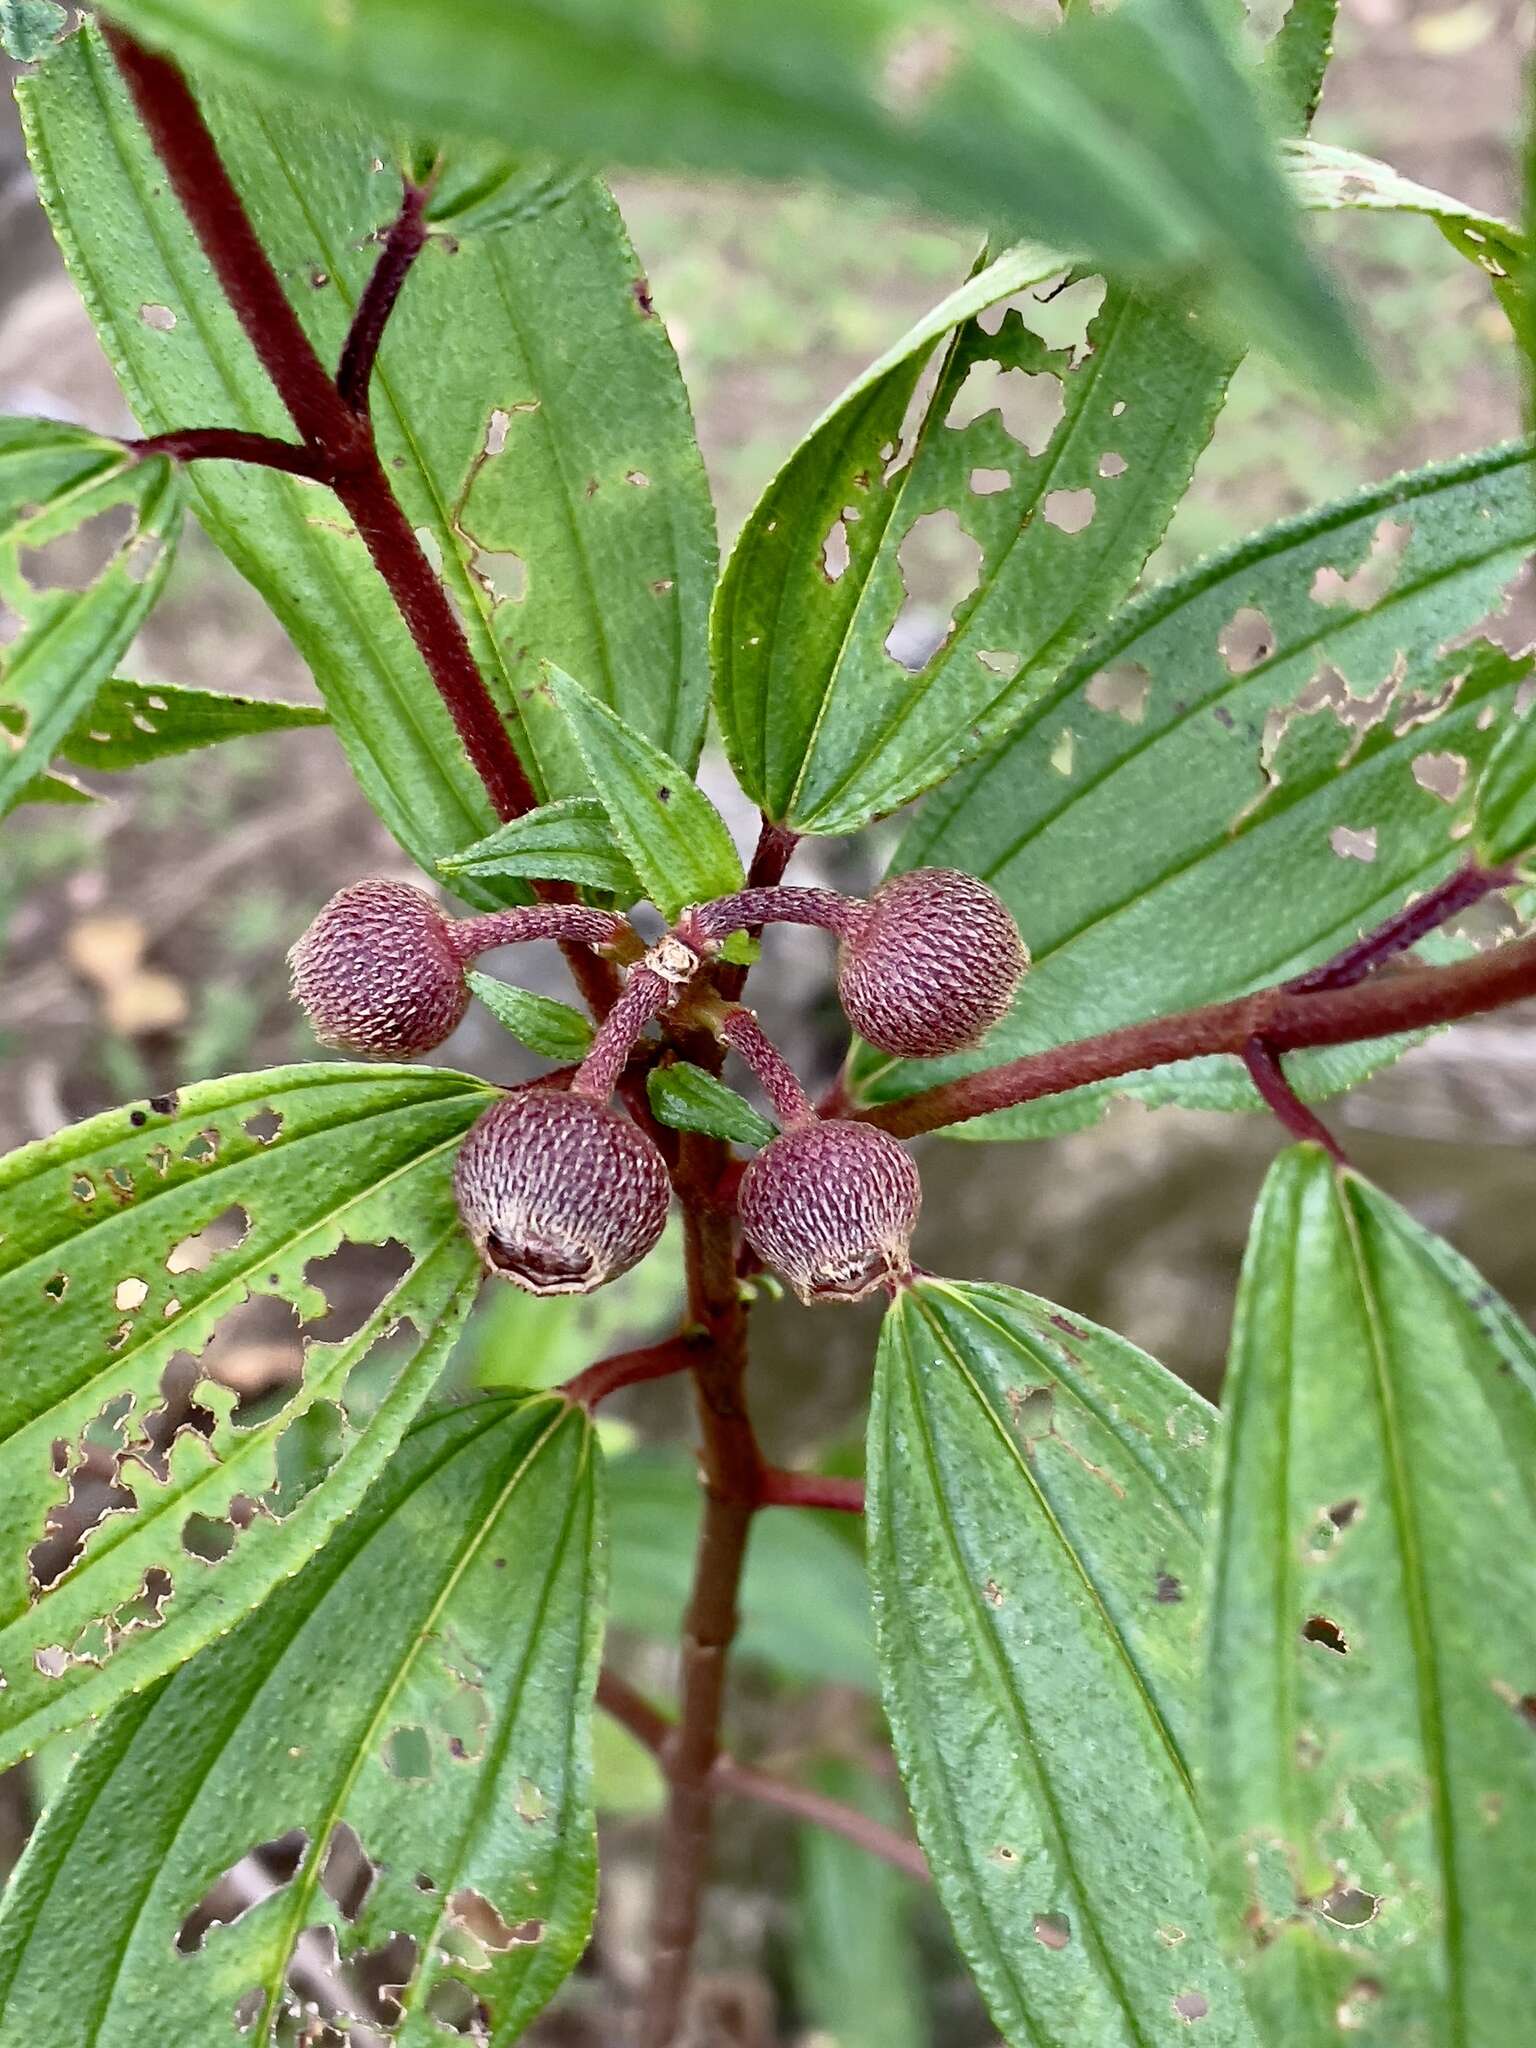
[558, 438]
[550, 1027]
[805, 1599]
[129, 723]
[825, 726]
[409, 1720]
[689, 1099]
[1243, 774]
[1371, 1783]
[124, 1242]
[1036, 1487]
[675, 839]
[569, 841]
[1134, 137]
[76, 620]
[1328, 179]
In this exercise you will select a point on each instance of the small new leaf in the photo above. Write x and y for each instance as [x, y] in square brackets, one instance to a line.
[675, 839]
[540, 1022]
[689, 1099]
[568, 841]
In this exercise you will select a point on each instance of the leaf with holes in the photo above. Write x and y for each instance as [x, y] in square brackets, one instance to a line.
[569, 841]
[674, 837]
[81, 564]
[1371, 1780]
[1504, 806]
[129, 723]
[412, 1850]
[545, 446]
[1052, 470]
[689, 1099]
[1135, 137]
[1260, 759]
[805, 1599]
[1036, 1488]
[143, 1507]
[549, 1027]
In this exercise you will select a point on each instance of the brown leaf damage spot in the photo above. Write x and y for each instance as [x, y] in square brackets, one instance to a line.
[1319, 1629]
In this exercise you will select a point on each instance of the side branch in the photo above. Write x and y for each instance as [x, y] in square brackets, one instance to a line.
[1285, 1019]
[234, 444]
[402, 245]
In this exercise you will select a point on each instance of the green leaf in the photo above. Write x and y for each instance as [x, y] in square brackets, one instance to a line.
[549, 1027]
[804, 1602]
[557, 438]
[131, 722]
[570, 841]
[1504, 807]
[124, 1243]
[1325, 179]
[1036, 1487]
[415, 1705]
[1164, 824]
[1371, 1780]
[825, 727]
[62, 501]
[27, 27]
[854, 1959]
[674, 837]
[689, 1099]
[1135, 137]
[477, 188]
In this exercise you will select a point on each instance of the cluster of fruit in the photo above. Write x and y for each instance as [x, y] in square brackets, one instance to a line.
[558, 1188]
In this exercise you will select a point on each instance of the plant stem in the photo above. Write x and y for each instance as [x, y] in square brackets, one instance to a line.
[341, 439]
[632, 1710]
[402, 245]
[750, 909]
[1268, 1076]
[1415, 921]
[732, 1466]
[233, 444]
[469, 937]
[630, 1368]
[1284, 1018]
[742, 1032]
[780, 1489]
[645, 996]
[770, 857]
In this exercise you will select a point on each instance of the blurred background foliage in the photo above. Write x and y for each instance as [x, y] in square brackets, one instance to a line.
[142, 943]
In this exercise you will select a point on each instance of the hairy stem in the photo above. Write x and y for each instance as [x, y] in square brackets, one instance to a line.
[645, 996]
[1268, 1076]
[632, 1710]
[1284, 1018]
[402, 245]
[742, 1032]
[732, 1466]
[469, 937]
[234, 444]
[342, 439]
[1415, 921]
[751, 909]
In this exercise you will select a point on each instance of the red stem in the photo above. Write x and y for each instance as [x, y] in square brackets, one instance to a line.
[1285, 1019]
[1415, 921]
[1268, 1076]
[405, 241]
[573, 922]
[780, 1489]
[234, 444]
[751, 909]
[630, 1369]
[746, 1037]
[645, 996]
[632, 1710]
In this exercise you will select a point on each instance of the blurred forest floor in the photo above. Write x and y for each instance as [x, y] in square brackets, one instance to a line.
[142, 944]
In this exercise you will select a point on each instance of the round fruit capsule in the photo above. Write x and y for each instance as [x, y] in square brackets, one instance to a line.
[377, 972]
[932, 965]
[831, 1205]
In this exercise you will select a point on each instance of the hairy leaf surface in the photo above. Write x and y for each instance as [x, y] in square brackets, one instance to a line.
[690, 1099]
[1262, 758]
[131, 722]
[1371, 1780]
[405, 1726]
[1036, 1488]
[569, 841]
[124, 1243]
[674, 838]
[529, 411]
[550, 1027]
